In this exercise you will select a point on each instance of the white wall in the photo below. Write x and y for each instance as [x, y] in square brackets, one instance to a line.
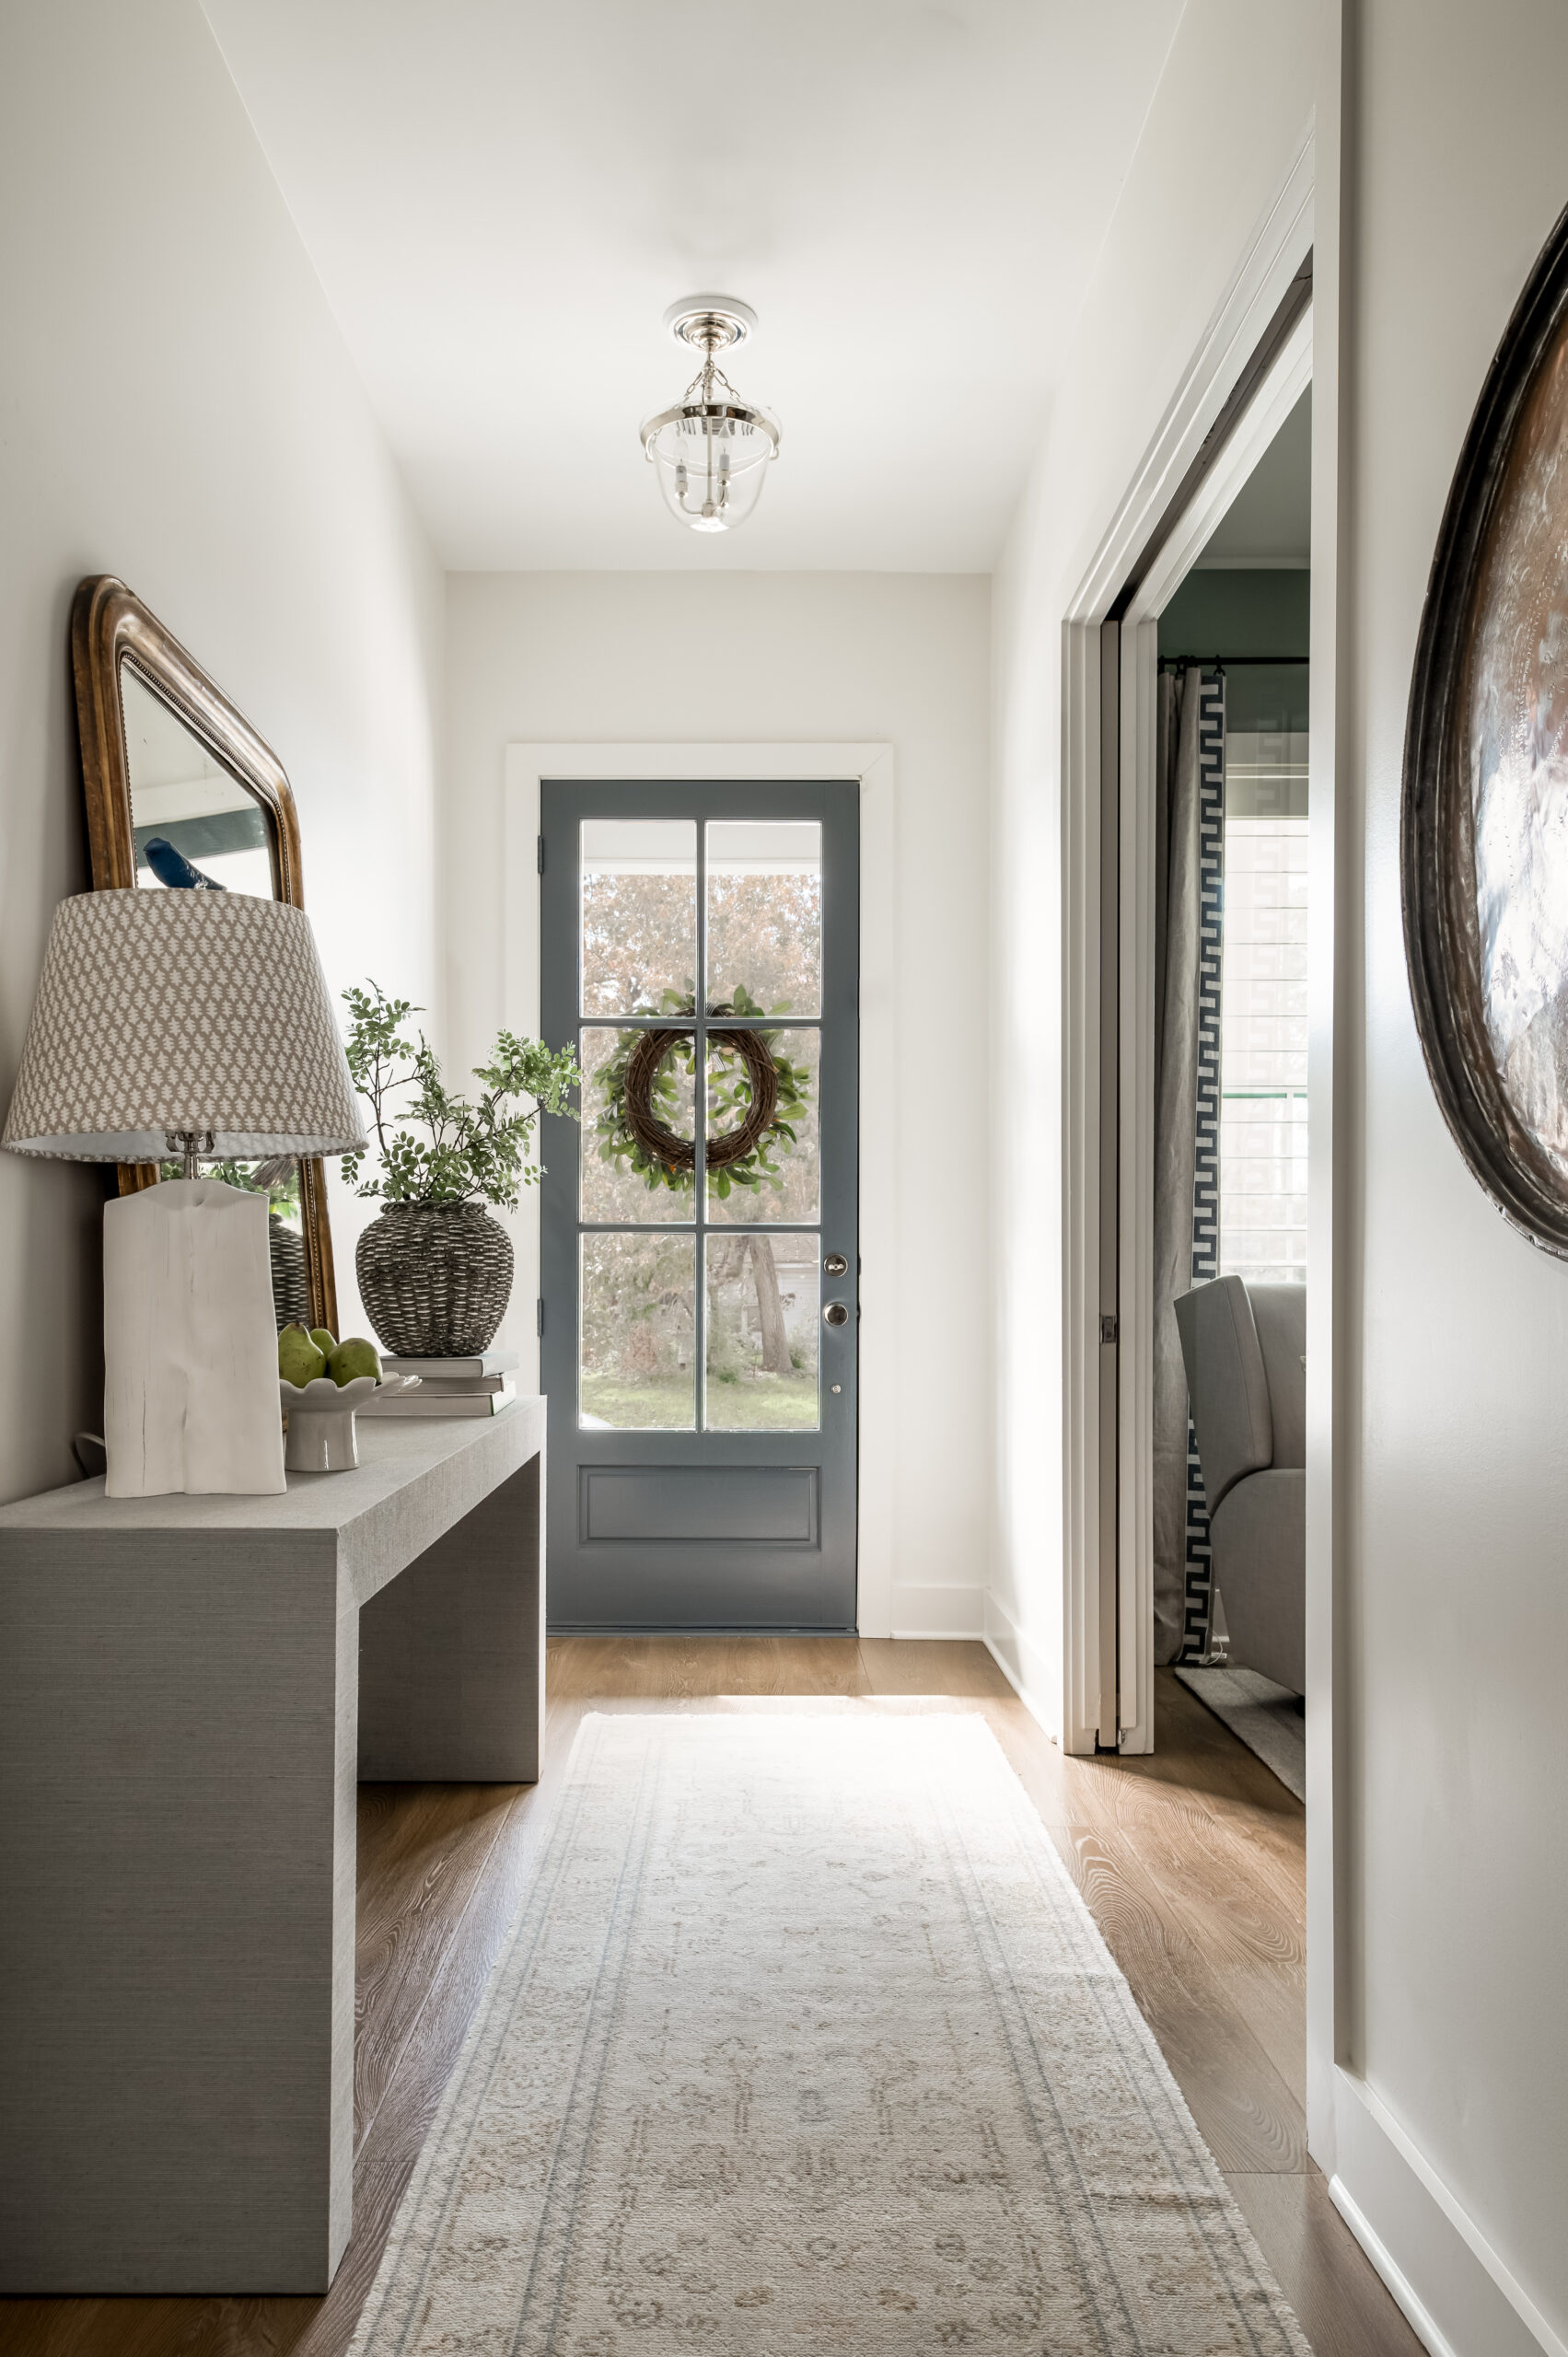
[1453, 1593]
[779, 658]
[1229, 117]
[177, 407]
[1438, 1858]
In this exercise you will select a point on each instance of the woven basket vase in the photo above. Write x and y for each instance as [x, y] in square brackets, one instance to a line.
[434, 1279]
[291, 1286]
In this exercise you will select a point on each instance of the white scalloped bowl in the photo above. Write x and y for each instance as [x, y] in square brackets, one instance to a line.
[320, 1437]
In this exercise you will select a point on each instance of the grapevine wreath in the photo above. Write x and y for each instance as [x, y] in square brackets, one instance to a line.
[768, 1091]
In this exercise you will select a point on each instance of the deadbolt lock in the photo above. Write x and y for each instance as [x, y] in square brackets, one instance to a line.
[836, 1265]
[835, 1313]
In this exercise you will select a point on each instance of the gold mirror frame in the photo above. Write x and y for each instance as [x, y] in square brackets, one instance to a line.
[112, 627]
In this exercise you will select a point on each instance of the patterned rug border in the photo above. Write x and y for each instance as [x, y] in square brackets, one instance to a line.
[1237, 2262]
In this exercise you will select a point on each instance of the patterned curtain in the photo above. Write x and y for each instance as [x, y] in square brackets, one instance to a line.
[1189, 891]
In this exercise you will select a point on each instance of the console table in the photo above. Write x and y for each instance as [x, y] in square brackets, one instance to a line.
[190, 1689]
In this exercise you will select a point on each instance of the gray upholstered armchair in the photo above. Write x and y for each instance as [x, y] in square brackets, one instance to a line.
[1243, 1346]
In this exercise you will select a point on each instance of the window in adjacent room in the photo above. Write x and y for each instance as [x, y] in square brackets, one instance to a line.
[1263, 1002]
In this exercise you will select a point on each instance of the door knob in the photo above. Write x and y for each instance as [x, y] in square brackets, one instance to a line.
[835, 1313]
[836, 1265]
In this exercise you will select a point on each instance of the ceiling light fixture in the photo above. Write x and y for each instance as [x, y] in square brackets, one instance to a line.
[710, 450]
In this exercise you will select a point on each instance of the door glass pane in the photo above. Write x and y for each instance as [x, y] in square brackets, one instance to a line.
[612, 1188]
[761, 1336]
[639, 914]
[765, 916]
[638, 1298]
[778, 1179]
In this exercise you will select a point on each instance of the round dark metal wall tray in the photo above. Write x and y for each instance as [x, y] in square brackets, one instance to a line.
[1484, 811]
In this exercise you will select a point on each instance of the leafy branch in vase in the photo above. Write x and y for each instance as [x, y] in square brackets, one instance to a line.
[471, 1148]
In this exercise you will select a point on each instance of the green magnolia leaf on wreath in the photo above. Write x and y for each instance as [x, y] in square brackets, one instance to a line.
[730, 1099]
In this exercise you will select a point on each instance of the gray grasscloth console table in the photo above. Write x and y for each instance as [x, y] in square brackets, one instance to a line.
[190, 1689]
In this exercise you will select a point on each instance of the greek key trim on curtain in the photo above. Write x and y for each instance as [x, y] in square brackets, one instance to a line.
[1188, 889]
[1206, 1157]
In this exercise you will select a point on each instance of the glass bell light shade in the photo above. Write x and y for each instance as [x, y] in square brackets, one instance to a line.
[710, 450]
[711, 456]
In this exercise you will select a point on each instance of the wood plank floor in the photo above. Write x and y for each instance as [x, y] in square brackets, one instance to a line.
[1192, 1862]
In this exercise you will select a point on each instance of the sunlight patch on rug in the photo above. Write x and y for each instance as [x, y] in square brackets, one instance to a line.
[803, 2042]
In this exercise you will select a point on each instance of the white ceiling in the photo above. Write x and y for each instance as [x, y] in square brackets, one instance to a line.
[1270, 521]
[501, 198]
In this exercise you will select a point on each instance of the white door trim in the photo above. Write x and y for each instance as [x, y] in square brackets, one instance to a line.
[1270, 261]
[527, 767]
[1277, 395]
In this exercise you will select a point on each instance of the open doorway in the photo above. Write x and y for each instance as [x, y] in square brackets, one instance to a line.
[1190, 482]
[1231, 914]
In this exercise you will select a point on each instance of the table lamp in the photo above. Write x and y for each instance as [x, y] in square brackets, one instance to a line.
[195, 1025]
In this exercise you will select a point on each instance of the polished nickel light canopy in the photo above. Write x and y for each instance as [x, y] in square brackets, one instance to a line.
[710, 450]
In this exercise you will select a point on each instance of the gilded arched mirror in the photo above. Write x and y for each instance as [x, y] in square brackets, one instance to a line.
[182, 793]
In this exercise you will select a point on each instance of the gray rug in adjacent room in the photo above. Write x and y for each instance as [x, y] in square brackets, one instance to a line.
[803, 2042]
[1268, 1718]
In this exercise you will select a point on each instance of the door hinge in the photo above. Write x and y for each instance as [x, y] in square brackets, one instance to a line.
[542, 854]
[1106, 1328]
[539, 1317]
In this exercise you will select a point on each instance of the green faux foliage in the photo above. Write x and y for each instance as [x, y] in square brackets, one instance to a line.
[472, 1149]
[728, 1102]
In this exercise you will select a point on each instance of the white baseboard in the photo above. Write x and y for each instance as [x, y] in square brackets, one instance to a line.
[955, 1612]
[937, 1637]
[1461, 2298]
[1025, 1665]
[1424, 2326]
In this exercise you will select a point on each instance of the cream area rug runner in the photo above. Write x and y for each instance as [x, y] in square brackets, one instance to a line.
[804, 2044]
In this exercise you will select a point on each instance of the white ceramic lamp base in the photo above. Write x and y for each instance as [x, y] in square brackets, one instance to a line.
[189, 1343]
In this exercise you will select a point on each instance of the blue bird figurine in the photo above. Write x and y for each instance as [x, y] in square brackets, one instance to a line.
[172, 867]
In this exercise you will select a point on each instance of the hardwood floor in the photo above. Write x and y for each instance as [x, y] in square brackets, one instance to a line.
[1191, 1860]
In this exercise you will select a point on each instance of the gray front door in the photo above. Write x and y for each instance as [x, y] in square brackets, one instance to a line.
[699, 1290]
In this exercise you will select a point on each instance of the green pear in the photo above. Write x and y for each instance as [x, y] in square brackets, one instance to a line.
[299, 1361]
[357, 1356]
[326, 1344]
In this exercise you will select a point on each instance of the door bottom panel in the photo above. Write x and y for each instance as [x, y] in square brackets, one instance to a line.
[634, 1587]
[736, 1504]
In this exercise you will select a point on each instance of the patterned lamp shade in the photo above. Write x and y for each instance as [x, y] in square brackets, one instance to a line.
[170, 1011]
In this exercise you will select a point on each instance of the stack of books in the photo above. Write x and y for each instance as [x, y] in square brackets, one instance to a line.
[480, 1386]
